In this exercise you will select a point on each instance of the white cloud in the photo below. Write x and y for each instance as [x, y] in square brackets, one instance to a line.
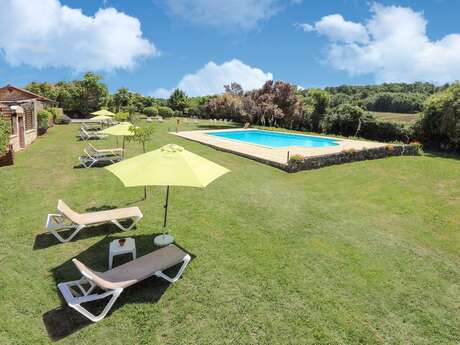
[336, 28]
[47, 34]
[162, 93]
[241, 14]
[211, 79]
[395, 47]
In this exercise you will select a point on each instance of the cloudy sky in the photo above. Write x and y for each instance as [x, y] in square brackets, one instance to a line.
[154, 46]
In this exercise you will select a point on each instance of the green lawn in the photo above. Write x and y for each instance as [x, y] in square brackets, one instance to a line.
[362, 253]
[396, 117]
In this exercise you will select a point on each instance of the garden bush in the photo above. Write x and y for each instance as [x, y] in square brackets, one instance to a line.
[165, 112]
[57, 114]
[345, 120]
[351, 120]
[151, 111]
[193, 111]
[44, 117]
[121, 116]
[386, 131]
[440, 123]
[5, 131]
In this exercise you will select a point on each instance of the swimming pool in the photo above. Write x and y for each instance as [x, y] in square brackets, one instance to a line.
[275, 139]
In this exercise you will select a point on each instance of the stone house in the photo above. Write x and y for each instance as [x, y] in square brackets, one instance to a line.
[20, 107]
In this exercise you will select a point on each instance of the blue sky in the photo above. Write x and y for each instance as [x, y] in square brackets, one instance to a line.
[154, 46]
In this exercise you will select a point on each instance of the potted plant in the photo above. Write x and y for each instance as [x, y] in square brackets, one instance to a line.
[43, 119]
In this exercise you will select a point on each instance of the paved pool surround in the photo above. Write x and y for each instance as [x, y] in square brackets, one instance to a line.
[346, 150]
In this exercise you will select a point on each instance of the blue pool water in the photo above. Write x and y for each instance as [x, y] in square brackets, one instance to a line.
[275, 139]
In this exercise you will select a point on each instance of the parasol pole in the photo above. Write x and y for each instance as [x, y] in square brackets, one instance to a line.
[166, 210]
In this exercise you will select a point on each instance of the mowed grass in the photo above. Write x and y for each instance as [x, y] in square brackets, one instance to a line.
[396, 117]
[362, 253]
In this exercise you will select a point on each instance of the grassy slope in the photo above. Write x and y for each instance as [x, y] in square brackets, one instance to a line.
[360, 253]
[396, 117]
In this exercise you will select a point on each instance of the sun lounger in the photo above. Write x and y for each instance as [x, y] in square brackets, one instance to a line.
[69, 219]
[93, 156]
[85, 135]
[91, 126]
[113, 282]
[114, 151]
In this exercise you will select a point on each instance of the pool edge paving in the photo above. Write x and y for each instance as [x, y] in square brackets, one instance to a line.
[276, 157]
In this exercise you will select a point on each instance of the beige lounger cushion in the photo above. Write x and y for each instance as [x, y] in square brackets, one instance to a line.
[99, 216]
[136, 270]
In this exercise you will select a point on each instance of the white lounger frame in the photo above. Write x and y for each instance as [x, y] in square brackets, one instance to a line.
[97, 157]
[91, 126]
[85, 135]
[56, 222]
[85, 295]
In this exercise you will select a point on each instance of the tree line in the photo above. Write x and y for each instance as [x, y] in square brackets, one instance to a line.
[342, 110]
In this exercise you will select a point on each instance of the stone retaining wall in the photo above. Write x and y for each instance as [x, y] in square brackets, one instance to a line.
[309, 163]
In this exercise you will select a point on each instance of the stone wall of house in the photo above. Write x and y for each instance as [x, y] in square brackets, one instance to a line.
[309, 163]
[30, 121]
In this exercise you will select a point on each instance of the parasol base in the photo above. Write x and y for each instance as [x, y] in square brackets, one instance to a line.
[163, 240]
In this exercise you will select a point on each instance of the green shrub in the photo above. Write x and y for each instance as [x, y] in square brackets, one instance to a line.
[345, 120]
[44, 117]
[351, 120]
[151, 111]
[5, 132]
[440, 123]
[297, 158]
[193, 111]
[165, 112]
[131, 109]
[121, 116]
[57, 114]
[385, 131]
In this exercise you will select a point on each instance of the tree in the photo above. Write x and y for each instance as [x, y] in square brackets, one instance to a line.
[44, 89]
[178, 100]
[131, 110]
[344, 120]
[78, 97]
[318, 102]
[441, 118]
[234, 88]
[93, 93]
[275, 103]
[225, 106]
[396, 102]
[121, 98]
